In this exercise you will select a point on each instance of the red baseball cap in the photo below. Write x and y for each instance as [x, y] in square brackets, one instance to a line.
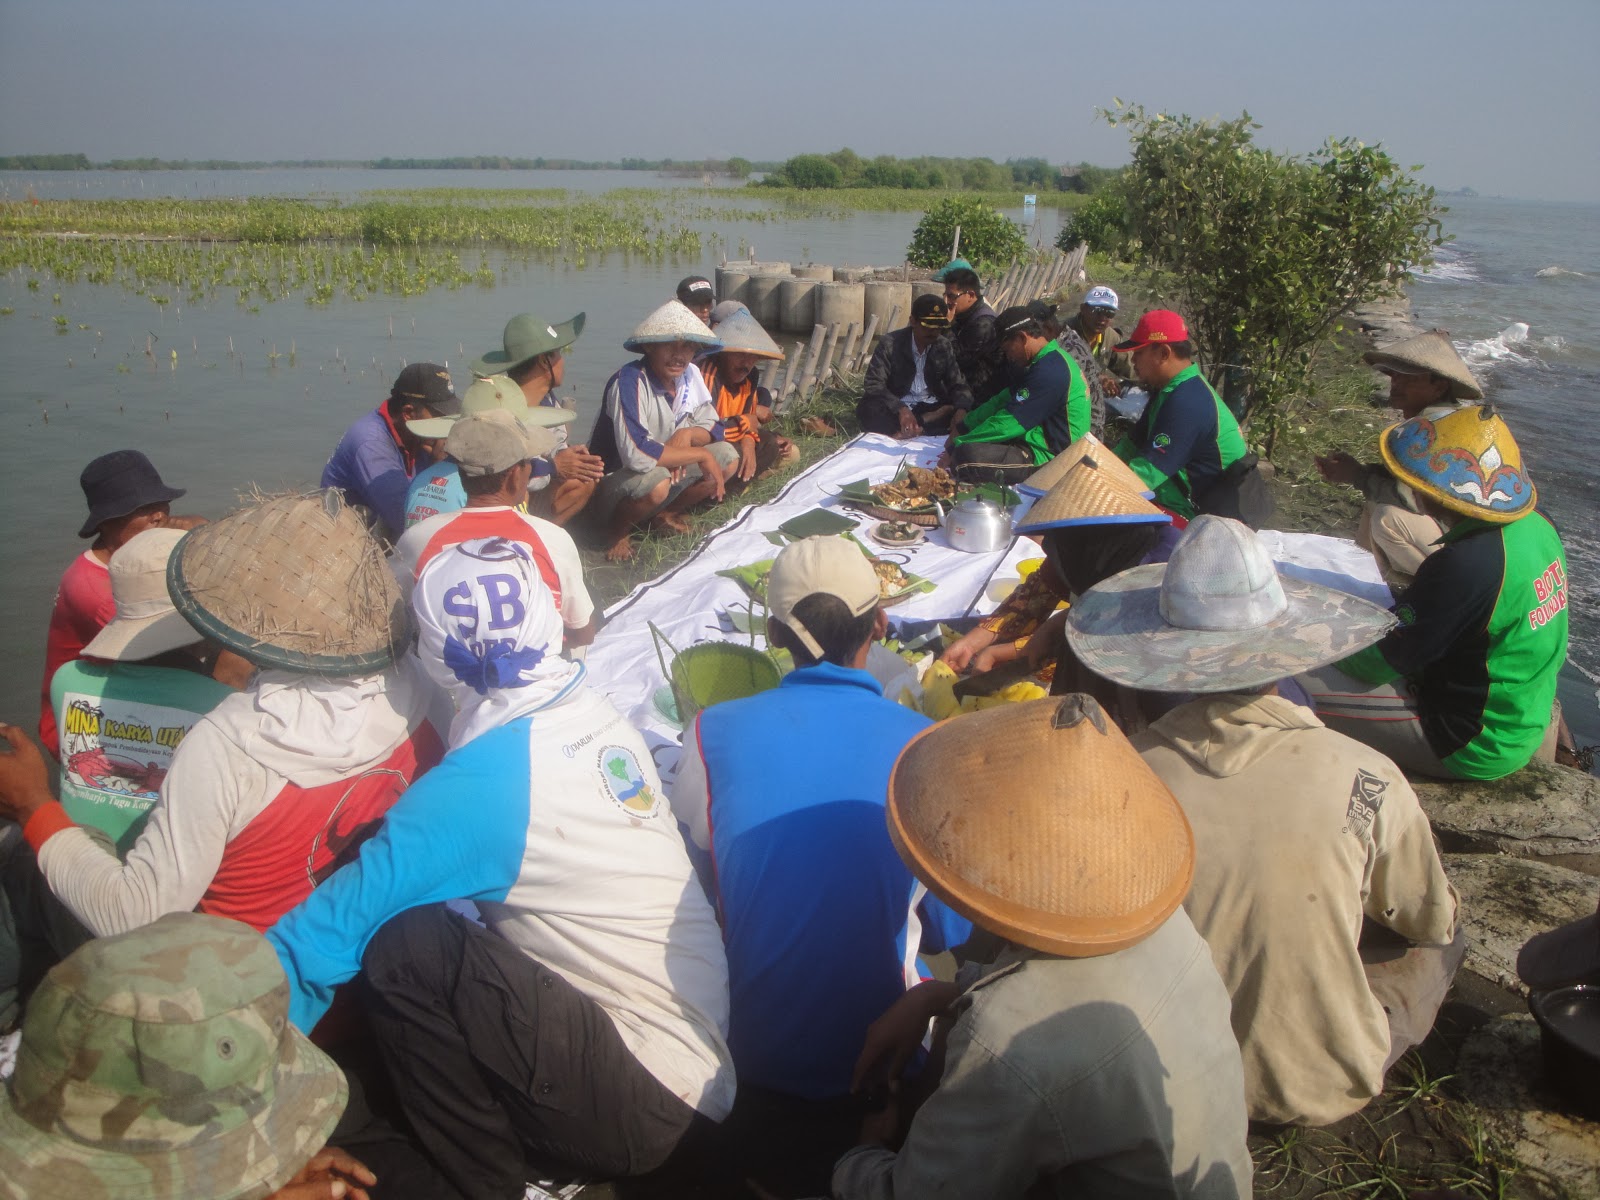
[1157, 325]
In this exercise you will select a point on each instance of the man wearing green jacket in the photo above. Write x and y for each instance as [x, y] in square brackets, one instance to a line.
[1464, 687]
[1186, 437]
[1025, 426]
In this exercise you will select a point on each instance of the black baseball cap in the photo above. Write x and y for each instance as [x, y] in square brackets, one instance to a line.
[929, 311]
[696, 289]
[429, 384]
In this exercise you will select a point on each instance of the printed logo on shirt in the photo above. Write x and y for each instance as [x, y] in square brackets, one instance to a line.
[119, 748]
[626, 784]
[1020, 396]
[1550, 589]
[1366, 798]
[1161, 442]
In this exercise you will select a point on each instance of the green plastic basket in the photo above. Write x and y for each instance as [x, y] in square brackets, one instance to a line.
[708, 673]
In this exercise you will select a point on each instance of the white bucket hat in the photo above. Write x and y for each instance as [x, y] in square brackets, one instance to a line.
[1217, 618]
[147, 622]
[672, 322]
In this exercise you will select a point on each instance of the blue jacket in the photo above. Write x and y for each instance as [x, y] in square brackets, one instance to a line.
[821, 919]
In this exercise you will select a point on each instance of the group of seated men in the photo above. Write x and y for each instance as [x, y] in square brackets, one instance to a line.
[680, 425]
[531, 957]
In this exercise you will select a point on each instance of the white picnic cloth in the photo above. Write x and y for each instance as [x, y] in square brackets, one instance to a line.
[684, 603]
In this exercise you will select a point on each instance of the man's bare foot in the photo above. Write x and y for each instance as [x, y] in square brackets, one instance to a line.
[817, 426]
[670, 521]
[620, 550]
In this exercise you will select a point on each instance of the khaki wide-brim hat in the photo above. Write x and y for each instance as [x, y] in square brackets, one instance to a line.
[487, 395]
[672, 322]
[526, 337]
[160, 1064]
[1047, 476]
[1217, 617]
[743, 333]
[1088, 494]
[146, 623]
[1039, 822]
[296, 582]
[1431, 353]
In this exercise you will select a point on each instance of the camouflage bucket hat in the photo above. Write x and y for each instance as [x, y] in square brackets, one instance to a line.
[161, 1063]
[1217, 618]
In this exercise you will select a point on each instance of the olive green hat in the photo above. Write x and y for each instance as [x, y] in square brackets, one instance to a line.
[161, 1064]
[486, 395]
[526, 337]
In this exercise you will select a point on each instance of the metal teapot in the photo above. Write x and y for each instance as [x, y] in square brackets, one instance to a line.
[978, 526]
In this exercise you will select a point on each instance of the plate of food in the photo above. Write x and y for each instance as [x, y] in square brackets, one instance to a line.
[920, 495]
[897, 534]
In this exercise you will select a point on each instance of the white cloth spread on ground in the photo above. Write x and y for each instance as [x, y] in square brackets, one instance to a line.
[684, 603]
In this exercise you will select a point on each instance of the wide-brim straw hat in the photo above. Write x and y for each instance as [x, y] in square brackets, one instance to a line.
[1467, 461]
[1217, 617]
[526, 337]
[146, 623]
[295, 582]
[741, 332]
[1039, 822]
[1047, 476]
[672, 322]
[490, 393]
[1432, 353]
[1088, 494]
[159, 1064]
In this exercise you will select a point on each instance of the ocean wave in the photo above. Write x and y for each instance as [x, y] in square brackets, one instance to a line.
[1501, 348]
[1453, 265]
[1556, 271]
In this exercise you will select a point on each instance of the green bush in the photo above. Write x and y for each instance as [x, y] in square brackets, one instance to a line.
[1100, 222]
[987, 236]
[1265, 252]
[811, 171]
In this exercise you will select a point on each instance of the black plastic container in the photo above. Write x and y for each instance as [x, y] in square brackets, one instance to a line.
[1569, 1034]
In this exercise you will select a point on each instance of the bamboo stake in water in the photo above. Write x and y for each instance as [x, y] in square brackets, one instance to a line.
[867, 335]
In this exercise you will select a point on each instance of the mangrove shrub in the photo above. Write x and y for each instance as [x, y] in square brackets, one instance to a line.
[987, 236]
[1262, 252]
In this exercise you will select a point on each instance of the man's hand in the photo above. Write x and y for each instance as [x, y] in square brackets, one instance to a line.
[746, 469]
[1110, 384]
[184, 522]
[881, 1127]
[958, 657]
[329, 1175]
[945, 461]
[910, 427]
[892, 1039]
[713, 473]
[575, 462]
[24, 779]
[958, 422]
[1339, 467]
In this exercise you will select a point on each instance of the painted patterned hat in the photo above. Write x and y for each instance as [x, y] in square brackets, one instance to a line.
[1467, 461]
[160, 1064]
[296, 582]
[1216, 618]
[1041, 823]
[1047, 476]
[672, 322]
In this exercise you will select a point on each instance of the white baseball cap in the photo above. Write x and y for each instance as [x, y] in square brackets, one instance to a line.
[1101, 297]
[829, 566]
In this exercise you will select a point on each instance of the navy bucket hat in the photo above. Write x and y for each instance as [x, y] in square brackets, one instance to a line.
[120, 483]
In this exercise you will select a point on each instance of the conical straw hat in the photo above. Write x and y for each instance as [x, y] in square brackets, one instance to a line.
[743, 333]
[296, 582]
[672, 322]
[1429, 352]
[1047, 476]
[1089, 494]
[1041, 823]
[1467, 461]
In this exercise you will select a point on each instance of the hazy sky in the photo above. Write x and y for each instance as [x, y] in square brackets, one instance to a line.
[1502, 97]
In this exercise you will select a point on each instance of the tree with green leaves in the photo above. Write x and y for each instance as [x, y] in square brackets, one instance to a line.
[988, 237]
[811, 171]
[1263, 253]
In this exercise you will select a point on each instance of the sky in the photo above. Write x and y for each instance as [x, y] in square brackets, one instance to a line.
[1502, 98]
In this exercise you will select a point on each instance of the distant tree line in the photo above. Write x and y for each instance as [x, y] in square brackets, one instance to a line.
[738, 167]
[847, 169]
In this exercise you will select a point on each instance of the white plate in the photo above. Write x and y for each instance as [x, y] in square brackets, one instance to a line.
[919, 534]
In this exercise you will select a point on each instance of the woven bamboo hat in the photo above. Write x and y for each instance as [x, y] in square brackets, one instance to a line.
[743, 333]
[1428, 354]
[672, 322]
[1041, 823]
[295, 582]
[1467, 461]
[1089, 494]
[1047, 476]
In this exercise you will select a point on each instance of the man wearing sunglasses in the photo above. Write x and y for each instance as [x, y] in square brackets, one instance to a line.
[1093, 324]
